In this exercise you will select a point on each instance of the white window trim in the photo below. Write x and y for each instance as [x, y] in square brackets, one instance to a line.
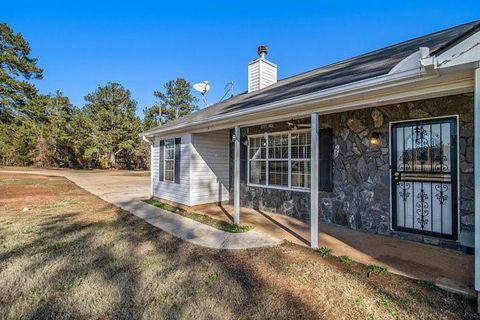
[267, 159]
[165, 162]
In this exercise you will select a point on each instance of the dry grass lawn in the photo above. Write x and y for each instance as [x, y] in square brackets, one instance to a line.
[71, 255]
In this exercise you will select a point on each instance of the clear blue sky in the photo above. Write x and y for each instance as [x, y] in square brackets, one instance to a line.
[82, 44]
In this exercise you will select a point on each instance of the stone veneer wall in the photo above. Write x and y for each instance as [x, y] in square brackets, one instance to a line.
[361, 195]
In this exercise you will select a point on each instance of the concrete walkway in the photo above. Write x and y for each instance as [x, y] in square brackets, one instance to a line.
[126, 190]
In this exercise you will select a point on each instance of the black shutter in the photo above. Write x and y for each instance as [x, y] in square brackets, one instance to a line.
[178, 142]
[243, 162]
[325, 171]
[160, 160]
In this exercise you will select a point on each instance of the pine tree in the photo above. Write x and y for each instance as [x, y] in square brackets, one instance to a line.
[16, 68]
[114, 127]
[176, 102]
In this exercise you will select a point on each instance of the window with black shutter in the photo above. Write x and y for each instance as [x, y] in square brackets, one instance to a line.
[325, 172]
[178, 142]
[160, 160]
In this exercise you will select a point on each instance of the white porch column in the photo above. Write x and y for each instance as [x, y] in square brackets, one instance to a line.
[236, 178]
[476, 166]
[314, 183]
[151, 167]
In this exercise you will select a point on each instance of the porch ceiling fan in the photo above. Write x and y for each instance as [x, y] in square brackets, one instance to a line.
[295, 126]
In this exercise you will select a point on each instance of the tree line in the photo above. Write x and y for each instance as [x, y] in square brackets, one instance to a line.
[47, 130]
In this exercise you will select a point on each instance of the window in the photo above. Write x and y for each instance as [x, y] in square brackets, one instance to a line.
[301, 149]
[280, 160]
[169, 160]
[257, 159]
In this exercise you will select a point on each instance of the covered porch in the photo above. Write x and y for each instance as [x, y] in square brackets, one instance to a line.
[357, 201]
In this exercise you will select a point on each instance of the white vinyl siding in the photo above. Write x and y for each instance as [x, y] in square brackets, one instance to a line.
[204, 169]
[261, 74]
[209, 167]
[168, 190]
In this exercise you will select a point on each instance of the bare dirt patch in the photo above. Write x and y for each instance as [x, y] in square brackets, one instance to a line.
[71, 255]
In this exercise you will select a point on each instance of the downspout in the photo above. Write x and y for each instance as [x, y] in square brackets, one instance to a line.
[151, 143]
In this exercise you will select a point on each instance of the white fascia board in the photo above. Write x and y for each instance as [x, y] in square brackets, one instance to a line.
[378, 81]
[331, 106]
[466, 52]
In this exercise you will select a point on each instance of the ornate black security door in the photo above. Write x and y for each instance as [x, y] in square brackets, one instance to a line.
[424, 177]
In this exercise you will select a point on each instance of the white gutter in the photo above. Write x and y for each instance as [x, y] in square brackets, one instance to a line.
[363, 86]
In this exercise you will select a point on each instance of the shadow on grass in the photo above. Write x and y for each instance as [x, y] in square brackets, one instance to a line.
[71, 261]
[76, 246]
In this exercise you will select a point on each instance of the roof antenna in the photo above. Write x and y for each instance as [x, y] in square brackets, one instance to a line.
[228, 88]
[203, 88]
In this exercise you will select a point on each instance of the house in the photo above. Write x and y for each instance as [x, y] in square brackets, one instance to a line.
[383, 142]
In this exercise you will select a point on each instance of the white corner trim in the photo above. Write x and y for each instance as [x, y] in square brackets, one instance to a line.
[314, 182]
[476, 126]
[236, 177]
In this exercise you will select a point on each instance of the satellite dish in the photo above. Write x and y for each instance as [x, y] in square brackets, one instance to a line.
[202, 87]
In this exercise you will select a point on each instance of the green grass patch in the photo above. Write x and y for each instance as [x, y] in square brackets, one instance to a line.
[386, 304]
[214, 276]
[66, 246]
[161, 205]
[73, 283]
[146, 264]
[198, 217]
[218, 224]
[324, 252]
[235, 228]
[202, 218]
[381, 271]
[345, 260]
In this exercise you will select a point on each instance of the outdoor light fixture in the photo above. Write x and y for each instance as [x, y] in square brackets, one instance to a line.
[375, 139]
[234, 137]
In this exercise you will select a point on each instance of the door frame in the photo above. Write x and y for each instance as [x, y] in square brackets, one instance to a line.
[454, 182]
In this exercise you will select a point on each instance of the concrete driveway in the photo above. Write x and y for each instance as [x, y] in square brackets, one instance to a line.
[127, 189]
[110, 185]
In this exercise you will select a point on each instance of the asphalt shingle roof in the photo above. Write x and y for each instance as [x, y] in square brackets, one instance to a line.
[369, 65]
